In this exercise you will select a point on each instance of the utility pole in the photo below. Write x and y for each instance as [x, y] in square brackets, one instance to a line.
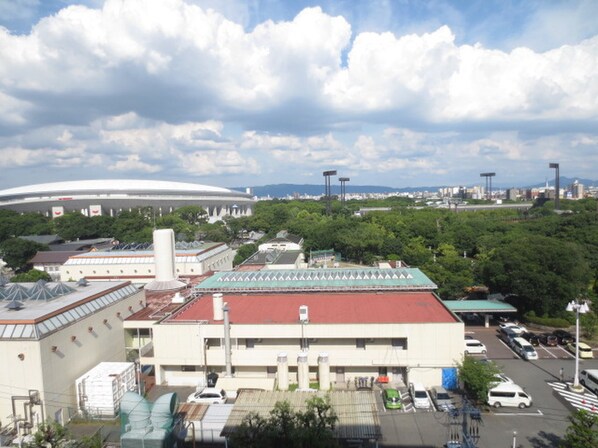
[464, 426]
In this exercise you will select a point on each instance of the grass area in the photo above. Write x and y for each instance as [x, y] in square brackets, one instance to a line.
[294, 387]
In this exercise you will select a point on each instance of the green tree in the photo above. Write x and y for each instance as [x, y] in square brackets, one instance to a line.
[17, 252]
[544, 273]
[51, 434]
[289, 428]
[583, 430]
[244, 252]
[31, 276]
[192, 214]
[477, 377]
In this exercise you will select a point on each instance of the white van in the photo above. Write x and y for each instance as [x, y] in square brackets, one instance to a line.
[473, 346]
[589, 379]
[420, 397]
[524, 349]
[506, 394]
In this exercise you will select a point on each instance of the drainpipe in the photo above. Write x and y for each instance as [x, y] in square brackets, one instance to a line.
[227, 349]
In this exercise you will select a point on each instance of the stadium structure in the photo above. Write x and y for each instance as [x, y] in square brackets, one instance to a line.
[111, 196]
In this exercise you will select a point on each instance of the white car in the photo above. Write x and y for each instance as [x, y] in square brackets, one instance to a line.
[209, 395]
[500, 378]
[517, 328]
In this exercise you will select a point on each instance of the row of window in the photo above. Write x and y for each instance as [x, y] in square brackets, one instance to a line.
[360, 343]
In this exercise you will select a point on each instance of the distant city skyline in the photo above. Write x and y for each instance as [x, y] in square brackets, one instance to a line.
[229, 92]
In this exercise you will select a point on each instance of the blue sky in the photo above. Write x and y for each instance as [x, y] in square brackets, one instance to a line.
[232, 93]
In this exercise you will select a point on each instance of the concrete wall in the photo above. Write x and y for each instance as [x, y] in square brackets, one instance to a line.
[430, 347]
[53, 371]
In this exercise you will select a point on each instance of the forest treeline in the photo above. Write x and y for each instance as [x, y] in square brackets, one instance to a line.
[542, 258]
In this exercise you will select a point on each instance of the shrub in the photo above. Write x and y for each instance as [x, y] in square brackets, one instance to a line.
[555, 322]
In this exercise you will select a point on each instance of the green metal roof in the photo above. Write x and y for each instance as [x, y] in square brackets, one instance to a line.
[479, 306]
[407, 279]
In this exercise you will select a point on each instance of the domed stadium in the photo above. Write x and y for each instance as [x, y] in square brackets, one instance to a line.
[111, 196]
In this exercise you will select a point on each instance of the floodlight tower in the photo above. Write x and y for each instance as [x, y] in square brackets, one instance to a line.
[327, 191]
[488, 177]
[343, 181]
[557, 187]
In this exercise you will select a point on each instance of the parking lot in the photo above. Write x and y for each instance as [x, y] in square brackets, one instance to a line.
[539, 426]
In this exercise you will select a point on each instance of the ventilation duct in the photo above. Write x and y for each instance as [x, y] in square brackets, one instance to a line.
[164, 257]
[217, 304]
[324, 371]
[283, 371]
[302, 371]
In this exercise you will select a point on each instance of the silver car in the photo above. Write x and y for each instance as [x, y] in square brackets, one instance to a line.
[441, 398]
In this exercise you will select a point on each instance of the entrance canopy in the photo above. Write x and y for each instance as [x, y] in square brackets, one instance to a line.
[479, 306]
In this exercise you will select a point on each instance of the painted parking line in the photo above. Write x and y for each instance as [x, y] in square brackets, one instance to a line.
[546, 350]
[520, 414]
[568, 353]
[587, 400]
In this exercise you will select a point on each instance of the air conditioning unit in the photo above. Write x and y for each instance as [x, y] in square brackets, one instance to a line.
[303, 314]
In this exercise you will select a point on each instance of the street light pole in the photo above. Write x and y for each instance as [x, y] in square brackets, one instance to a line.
[578, 307]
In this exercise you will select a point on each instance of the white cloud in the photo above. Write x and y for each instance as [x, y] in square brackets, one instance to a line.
[134, 163]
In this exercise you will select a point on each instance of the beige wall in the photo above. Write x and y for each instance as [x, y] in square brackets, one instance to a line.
[222, 261]
[53, 373]
[431, 346]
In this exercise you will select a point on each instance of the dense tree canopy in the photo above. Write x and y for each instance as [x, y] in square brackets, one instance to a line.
[542, 258]
[17, 252]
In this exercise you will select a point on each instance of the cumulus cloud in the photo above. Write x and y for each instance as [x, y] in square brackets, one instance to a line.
[177, 87]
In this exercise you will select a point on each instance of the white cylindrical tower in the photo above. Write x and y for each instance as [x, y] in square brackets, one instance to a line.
[217, 304]
[324, 371]
[283, 371]
[302, 371]
[164, 254]
[164, 259]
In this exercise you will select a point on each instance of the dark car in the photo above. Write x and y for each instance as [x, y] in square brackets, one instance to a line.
[532, 338]
[563, 337]
[549, 339]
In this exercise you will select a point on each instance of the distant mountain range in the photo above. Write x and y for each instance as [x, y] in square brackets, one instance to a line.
[285, 190]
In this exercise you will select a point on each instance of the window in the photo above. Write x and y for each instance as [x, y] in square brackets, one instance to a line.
[249, 343]
[360, 343]
[399, 343]
[502, 394]
[187, 368]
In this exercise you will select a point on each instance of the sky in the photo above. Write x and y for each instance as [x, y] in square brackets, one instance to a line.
[247, 93]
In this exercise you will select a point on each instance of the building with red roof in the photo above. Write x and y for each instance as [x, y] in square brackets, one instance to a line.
[368, 322]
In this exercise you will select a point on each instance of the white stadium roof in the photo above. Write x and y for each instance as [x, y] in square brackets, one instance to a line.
[114, 185]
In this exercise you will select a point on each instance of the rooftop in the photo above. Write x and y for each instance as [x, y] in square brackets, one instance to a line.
[356, 410]
[479, 306]
[145, 256]
[407, 279]
[328, 308]
[38, 315]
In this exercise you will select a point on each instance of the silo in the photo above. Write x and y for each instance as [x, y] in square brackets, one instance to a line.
[283, 371]
[217, 303]
[324, 371]
[164, 259]
[303, 371]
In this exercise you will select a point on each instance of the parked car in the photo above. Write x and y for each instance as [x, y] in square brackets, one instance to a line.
[548, 339]
[509, 395]
[516, 327]
[419, 396]
[589, 379]
[441, 398]
[473, 346]
[585, 351]
[208, 395]
[524, 349]
[507, 335]
[532, 338]
[563, 337]
[500, 378]
[392, 399]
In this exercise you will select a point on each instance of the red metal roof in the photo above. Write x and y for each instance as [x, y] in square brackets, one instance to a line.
[329, 308]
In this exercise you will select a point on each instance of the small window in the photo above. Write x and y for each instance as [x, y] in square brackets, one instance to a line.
[249, 343]
[399, 343]
[187, 368]
[360, 343]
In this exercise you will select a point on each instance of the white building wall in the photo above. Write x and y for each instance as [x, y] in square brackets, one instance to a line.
[144, 272]
[54, 372]
[430, 347]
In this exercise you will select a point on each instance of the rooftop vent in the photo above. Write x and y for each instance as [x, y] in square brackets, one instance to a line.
[14, 305]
